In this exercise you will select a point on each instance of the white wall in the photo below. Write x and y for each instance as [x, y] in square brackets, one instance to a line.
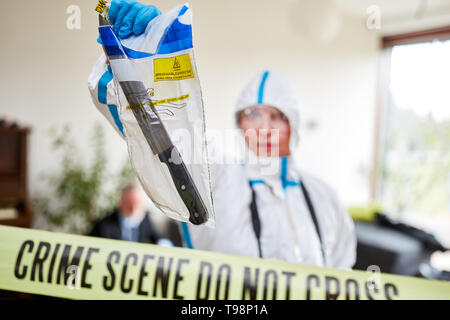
[44, 68]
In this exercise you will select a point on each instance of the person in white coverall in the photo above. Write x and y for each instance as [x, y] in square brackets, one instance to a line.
[283, 214]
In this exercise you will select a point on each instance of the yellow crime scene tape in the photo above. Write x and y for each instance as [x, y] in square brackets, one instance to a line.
[82, 267]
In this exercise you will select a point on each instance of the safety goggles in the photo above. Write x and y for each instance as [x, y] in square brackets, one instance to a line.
[257, 115]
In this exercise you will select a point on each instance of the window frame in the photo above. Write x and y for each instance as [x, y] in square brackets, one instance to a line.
[383, 97]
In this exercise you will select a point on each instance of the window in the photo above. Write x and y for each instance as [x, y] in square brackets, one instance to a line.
[413, 156]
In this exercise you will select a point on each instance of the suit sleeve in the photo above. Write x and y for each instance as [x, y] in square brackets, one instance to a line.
[343, 251]
[95, 232]
[154, 234]
[203, 237]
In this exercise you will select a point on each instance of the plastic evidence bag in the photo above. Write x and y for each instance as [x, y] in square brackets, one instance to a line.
[161, 111]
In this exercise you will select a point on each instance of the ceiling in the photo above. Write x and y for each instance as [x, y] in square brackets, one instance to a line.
[399, 16]
[392, 9]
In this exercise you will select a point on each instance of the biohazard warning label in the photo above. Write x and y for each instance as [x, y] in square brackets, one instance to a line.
[176, 64]
[175, 68]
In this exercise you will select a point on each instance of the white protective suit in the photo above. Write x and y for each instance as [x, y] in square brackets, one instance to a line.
[287, 229]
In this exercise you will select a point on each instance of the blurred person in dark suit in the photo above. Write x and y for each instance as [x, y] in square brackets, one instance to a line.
[130, 221]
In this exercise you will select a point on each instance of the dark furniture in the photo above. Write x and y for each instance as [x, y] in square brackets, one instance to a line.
[15, 208]
[389, 246]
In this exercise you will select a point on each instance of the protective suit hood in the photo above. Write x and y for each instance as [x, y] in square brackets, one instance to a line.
[270, 88]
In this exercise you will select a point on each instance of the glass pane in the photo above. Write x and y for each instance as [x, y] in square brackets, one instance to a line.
[416, 158]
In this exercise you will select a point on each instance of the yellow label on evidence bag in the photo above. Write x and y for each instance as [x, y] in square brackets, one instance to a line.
[175, 68]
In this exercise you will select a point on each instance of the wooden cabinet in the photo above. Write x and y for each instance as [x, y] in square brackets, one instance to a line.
[15, 208]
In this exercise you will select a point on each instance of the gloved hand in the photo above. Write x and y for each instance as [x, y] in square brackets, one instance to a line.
[130, 17]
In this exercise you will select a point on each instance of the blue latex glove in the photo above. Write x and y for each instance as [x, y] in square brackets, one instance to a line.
[130, 17]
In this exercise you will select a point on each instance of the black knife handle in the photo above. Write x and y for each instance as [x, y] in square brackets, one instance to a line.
[185, 185]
